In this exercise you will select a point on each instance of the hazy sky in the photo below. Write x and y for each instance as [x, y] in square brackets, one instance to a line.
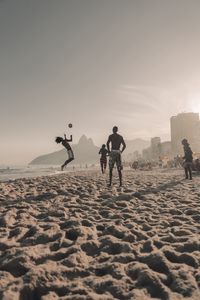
[94, 63]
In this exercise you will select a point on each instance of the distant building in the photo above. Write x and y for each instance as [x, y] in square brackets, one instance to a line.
[146, 153]
[166, 149]
[157, 149]
[185, 125]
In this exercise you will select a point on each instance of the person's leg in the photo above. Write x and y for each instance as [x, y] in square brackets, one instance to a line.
[111, 166]
[190, 172]
[101, 163]
[66, 163]
[110, 176]
[63, 165]
[186, 173]
[104, 165]
[120, 176]
[119, 168]
[70, 158]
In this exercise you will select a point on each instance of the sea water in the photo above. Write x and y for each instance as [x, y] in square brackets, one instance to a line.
[14, 172]
[26, 171]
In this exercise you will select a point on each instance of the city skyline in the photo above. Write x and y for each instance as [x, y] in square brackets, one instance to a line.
[95, 64]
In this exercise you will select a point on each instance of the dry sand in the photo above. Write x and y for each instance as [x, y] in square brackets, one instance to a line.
[70, 237]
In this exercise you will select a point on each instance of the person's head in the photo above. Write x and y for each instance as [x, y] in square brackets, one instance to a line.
[104, 146]
[115, 129]
[58, 139]
[184, 142]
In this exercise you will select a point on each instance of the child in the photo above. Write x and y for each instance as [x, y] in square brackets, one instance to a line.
[103, 159]
[188, 159]
[65, 143]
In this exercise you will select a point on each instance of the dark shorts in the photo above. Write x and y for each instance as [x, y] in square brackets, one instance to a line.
[70, 153]
[103, 160]
[115, 158]
[187, 164]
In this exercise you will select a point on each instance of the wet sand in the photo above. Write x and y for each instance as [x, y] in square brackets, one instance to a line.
[69, 236]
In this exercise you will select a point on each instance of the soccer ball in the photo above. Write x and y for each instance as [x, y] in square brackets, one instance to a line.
[70, 125]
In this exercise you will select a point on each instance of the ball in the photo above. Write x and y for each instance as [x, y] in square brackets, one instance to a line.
[70, 125]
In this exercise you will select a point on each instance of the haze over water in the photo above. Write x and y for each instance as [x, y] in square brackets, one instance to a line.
[95, 64]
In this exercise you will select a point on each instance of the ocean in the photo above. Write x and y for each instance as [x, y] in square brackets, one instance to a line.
[15, 172]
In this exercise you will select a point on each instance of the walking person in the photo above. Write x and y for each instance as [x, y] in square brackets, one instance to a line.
[116, 141]
[103, 159]
[188, 158]
[65, 143]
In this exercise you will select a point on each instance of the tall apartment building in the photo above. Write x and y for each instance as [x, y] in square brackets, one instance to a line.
[155, 147]
[185, 125]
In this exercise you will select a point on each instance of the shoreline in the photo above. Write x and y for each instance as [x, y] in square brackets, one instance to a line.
[50, 171]
[26, 172]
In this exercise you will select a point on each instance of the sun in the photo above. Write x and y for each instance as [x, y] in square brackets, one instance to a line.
[196, 108]
[195, 104]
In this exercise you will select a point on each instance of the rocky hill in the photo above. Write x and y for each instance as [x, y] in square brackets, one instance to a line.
[86, 152]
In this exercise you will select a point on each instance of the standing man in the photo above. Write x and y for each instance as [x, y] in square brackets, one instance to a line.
[116, 141]
[65, 143]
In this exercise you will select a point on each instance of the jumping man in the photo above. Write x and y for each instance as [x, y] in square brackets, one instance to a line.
[65, 143]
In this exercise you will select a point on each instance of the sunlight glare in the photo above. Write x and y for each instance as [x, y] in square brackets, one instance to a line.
[195, 104]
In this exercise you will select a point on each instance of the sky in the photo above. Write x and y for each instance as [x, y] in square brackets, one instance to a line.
[95, 64]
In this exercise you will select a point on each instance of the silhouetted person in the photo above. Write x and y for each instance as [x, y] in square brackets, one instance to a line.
[188, 158]
[135, 165]
[197, 165]
[116, 141]
[103, 159]
[65, 143]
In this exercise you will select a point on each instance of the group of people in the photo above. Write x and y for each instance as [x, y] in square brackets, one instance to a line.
[113, 149]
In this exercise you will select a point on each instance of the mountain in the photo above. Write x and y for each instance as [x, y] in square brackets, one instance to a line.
[86, 152]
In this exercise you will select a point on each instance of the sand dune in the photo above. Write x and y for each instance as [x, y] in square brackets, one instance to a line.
[70, 237]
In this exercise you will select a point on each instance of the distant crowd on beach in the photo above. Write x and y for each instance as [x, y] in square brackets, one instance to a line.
[116, 145]
[187, 162]
[176, 163]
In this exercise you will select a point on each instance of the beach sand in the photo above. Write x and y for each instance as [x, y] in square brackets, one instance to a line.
[69, 236]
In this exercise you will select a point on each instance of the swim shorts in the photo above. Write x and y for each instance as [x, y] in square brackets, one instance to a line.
[70, 154]
[115, 158]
